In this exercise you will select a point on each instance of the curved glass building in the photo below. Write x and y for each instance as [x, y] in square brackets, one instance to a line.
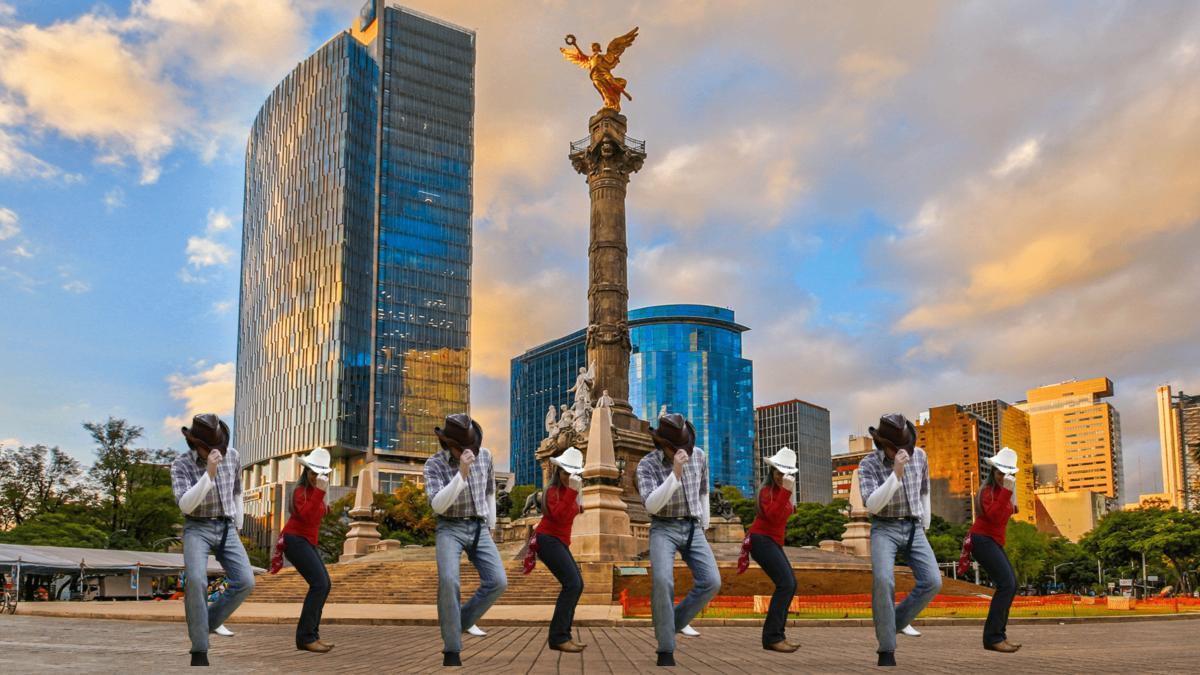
[686, 357]
[354, 320]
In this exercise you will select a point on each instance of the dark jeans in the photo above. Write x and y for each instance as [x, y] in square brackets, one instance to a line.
[771, 558]
[308, 563]
[561, 563]
[991, 556]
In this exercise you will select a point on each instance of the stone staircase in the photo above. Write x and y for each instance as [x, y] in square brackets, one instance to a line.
[404, 583]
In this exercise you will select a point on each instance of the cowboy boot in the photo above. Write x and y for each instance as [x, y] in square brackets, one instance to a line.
[1002, 646]
[315, 646]
[782, 646]
[568, 646]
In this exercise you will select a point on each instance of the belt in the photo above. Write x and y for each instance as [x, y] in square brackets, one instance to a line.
[896, 518]
[462, 518]
[206, 519]
[675, 518]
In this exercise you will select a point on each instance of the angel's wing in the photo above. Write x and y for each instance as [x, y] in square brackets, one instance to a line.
[619, 44]
[574, 56]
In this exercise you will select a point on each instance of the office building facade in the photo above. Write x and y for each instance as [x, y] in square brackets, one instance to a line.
[1179, 444]
[685, 357]
[803, 427]
[354, 316]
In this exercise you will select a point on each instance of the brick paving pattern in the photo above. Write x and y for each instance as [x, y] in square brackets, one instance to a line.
[49, 645]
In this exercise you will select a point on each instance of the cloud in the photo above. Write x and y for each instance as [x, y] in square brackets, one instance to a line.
[137, 86]
[76, 286]
[209, 389]
[222, 307]
[114, 199]
[8, 224]
[11, 442]
[218, 221]
[1021, 157]
[21, 252]
[203, 252]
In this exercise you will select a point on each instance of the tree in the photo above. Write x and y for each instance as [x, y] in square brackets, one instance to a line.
[35, 480]
[1027, 550]
[114, 458]
[55, 529]
[519, 494]
[812, 523]
[332, 538]
[1176, 537]
[407, 516]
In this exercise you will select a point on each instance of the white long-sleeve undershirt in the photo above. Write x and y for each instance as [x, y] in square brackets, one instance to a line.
[882, 494]
[446, 497]
[662, 494]
[195, 495]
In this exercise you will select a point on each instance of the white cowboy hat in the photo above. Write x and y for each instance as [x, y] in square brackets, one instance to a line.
[1005, 460]
[318, 461]
[784, 460]
[571, 460]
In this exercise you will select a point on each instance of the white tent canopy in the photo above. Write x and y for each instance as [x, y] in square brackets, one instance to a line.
[99, 561]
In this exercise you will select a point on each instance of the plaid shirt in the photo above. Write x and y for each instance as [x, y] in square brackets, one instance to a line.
[480, 491]
[226, 494]
[686, 501]
[906, 501]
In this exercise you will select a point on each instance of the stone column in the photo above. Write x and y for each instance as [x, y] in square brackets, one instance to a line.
[364, 531]
[607, 161]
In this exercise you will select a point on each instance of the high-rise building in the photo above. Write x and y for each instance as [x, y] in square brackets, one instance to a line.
[1179, 443]
[1010, 429]
[685, 357]
[803, 427]
[1071, 426]
[355, 299]
[843, 465]
[956, 442]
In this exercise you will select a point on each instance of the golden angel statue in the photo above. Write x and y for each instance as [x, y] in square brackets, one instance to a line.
[600, 65]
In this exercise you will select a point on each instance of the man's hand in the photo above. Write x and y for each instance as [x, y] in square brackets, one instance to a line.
[575, 482]
[681, 458]
[902, 460]
[465, 460]
[214, 458]
[323, 482]
[789, 483]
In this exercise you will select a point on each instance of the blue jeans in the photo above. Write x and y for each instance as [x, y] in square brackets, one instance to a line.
[200, 538]
[454, 537]
[889, 537]
[686, 537]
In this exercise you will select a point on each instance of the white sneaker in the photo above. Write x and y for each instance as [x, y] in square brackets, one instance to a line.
[476, 631]
[913, 632]
[222, 630]
[689, 631]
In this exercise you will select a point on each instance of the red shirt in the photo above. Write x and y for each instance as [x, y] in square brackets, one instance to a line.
[308, 506]
[992, 519]
[561, 510]
[774, 508]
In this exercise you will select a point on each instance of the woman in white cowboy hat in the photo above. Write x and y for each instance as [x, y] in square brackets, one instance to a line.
[994, 505]
[553, 541]
[298, 542]
[776, 502]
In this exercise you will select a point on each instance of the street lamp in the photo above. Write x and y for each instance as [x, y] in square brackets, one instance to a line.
[1055, 570]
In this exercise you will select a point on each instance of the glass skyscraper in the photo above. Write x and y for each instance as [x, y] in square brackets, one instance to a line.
[354, 324]
[686, 357]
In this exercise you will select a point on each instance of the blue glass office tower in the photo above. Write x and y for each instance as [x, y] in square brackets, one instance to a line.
[687, 357]
[355, 300]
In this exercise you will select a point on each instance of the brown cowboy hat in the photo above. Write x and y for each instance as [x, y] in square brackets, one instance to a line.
[208, 430]
[894, 431]
[462, 431]
[674, 432]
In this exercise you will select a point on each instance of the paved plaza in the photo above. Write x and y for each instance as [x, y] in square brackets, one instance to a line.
[52, 645]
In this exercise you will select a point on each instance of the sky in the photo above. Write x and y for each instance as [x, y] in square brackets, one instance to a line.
[909, 204]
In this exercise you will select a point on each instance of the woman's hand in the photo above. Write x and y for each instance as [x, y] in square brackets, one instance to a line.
[575, 482]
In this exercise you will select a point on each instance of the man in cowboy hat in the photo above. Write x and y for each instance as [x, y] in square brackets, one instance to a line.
[673, 482]
[460, 483]
[895, 488]
[207, 484]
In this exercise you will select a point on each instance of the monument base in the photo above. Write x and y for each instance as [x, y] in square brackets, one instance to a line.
[722, 531]
[602, 532]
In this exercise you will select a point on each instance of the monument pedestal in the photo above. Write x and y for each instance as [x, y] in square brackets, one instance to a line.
[726, 531]
[364, 531]
[602, 532]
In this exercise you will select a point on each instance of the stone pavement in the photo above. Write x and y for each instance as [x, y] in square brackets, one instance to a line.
[31, 644]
